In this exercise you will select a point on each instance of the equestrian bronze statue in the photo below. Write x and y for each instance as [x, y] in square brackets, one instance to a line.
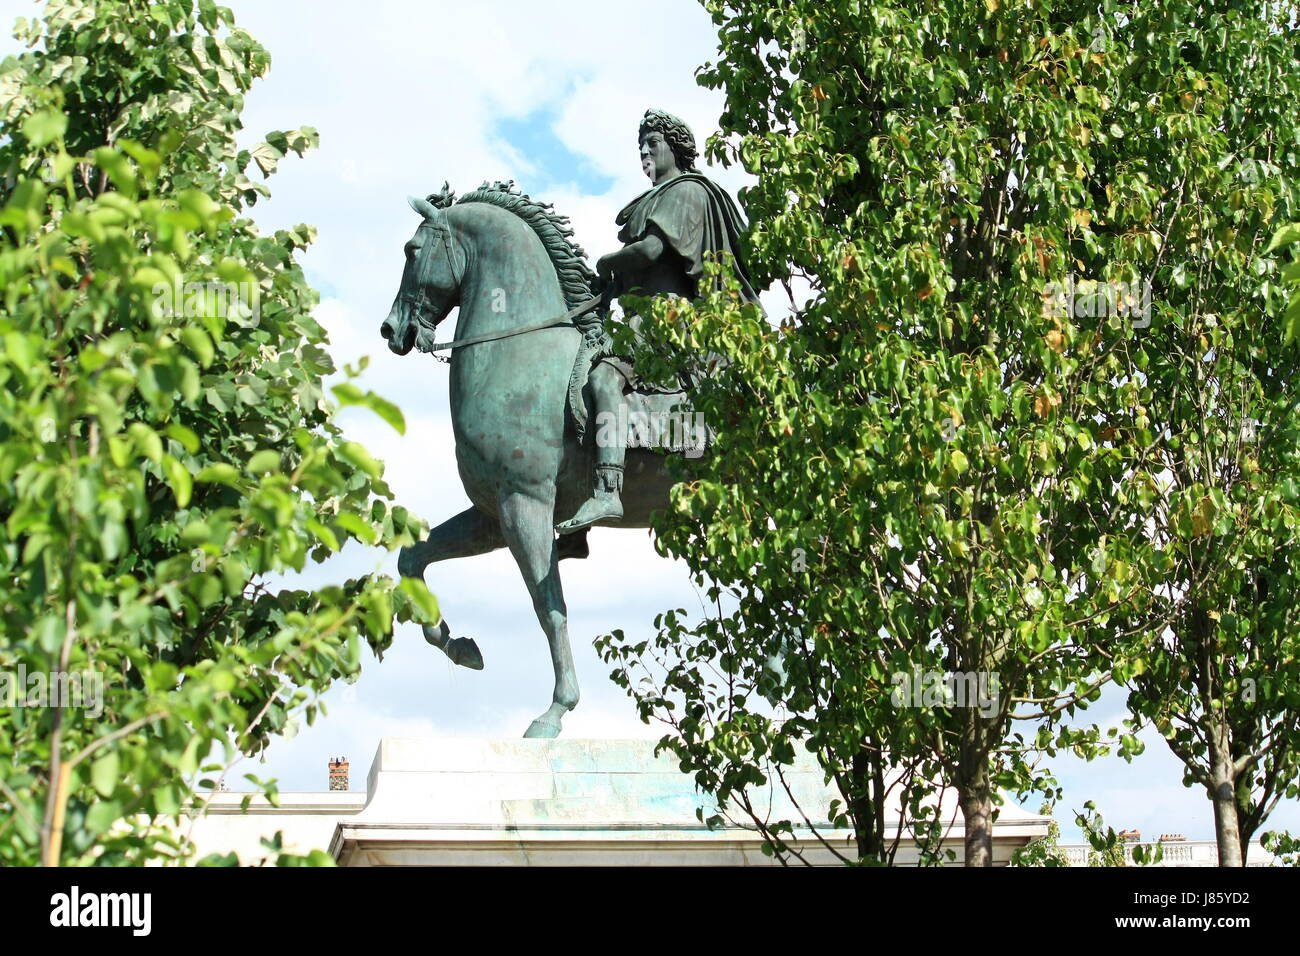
[532, 371]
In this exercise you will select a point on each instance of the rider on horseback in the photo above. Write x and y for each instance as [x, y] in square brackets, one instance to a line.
[667, 233]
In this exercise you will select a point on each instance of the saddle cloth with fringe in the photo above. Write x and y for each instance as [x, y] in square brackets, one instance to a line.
[648, 419]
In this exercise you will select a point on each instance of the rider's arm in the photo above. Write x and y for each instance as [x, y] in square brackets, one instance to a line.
[634, 257]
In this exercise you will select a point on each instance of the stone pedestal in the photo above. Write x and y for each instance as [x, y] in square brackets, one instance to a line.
[464, 801]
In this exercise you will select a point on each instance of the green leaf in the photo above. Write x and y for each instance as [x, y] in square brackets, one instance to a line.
[388, 412]
[357, 525]
[104, 773]
[357, 455]
[422, 598]
[189, 441]
[323, 534]
[263, 462]
[1291, 318]
[189, 762]
[119, 169]
[147, 441]
[219, 473]
[102, 815]
[45, 127]
[349, 394]
[1285, 236]
[178, 476]
[197, 341]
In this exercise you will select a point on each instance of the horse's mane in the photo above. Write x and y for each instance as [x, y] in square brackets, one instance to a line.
[569, 258]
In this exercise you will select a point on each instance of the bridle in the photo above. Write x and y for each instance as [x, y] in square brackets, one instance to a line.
[417, 302]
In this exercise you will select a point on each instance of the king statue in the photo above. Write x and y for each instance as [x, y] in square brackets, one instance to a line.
[668, 232]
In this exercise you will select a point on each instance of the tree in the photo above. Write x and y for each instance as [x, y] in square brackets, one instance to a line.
[924, 478]
[165, 440]
[1222, 487]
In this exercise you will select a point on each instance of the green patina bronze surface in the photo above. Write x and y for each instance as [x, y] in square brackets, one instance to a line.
[509, 264]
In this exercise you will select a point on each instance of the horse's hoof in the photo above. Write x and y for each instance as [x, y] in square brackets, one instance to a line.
[547, 726]
[543, 728]
[463, 651]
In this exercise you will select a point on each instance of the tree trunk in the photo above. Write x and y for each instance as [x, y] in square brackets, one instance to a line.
[976, 799]
[1225, 825]
[1223, 794]
[868, 804]
[1247, 823]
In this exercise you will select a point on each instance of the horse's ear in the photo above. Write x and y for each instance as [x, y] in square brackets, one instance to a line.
[425, 208]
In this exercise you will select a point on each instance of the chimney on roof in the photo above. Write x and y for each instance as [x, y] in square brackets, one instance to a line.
[1172, 838]
[1130, 836]
[339, 774]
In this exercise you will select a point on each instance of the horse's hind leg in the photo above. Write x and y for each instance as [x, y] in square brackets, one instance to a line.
[470, 532]
[526, 524]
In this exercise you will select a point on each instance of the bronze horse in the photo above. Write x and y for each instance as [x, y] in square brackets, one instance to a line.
[510, 265]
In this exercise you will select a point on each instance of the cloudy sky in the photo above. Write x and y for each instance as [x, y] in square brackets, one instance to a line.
[409, 94]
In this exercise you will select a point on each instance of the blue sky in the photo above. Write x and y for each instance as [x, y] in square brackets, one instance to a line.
[407, 95]
[555, 163]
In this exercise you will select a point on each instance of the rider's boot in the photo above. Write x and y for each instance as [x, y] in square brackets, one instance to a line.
[605, 504]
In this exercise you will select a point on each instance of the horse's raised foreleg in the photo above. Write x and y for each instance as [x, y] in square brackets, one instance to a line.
[526, 524]
[470, 532]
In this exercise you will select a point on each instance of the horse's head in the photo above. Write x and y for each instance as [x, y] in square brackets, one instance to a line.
[430, 286]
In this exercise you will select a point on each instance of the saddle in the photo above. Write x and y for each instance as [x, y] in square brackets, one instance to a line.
[654, 418]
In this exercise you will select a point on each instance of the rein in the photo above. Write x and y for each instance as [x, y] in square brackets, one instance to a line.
[532, 327]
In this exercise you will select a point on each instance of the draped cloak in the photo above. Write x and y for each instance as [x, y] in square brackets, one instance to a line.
[695, 219]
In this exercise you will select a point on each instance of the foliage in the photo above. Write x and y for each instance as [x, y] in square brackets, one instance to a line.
[1105, 846]
[1284, 847]
[1045, 851]
[164, 448]
[275, 856]
[1216, 494]
[1109, 848]
[1010, 216]
[1288, 237]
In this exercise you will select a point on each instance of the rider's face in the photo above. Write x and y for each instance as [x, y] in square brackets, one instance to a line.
[657, 159]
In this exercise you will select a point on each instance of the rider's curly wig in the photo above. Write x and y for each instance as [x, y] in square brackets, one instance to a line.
[679, 136]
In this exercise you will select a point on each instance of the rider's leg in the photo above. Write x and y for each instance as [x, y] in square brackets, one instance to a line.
[606, 503]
